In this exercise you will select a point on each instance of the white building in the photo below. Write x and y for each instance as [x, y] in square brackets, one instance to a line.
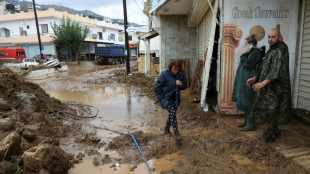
[19, 30]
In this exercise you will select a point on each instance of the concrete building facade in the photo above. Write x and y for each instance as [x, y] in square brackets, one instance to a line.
[19, 30]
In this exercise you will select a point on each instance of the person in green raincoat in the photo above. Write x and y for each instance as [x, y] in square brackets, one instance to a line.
[243, 94]
[272, 83]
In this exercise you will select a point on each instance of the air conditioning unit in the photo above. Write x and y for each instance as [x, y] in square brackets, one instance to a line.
[94, 36]
[103, 30]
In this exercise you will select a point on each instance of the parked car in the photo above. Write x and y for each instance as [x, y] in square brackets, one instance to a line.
[29, 62]
[45, 56]
[52, 62]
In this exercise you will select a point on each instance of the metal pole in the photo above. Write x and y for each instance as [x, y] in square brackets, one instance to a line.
[38, 32]
[126, 36]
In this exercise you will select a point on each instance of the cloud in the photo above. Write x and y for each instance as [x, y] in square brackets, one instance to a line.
[107, 8]
[134, 14]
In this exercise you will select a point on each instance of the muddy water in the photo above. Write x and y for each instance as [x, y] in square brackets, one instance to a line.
[161, 165]
[119, 107]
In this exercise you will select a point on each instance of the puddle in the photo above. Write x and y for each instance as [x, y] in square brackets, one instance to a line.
[241, 160]
[160, 165]
[119, 109]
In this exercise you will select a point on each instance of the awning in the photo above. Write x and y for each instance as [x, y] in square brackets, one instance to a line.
[148, 35]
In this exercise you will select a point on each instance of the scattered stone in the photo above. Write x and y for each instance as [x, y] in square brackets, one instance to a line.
[4, 105]
[46, 156]
[6, 124]
[8, 167]
[29, 103]
[95, 139]
[133, 168]
[29, 135]
[95, 162]
[10, 146]
[80, 156]
[106, 159]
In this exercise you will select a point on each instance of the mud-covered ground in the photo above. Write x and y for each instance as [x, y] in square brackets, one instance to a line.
[206, 147]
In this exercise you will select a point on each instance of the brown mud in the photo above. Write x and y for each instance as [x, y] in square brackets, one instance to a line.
[42, 126]
[206, 147]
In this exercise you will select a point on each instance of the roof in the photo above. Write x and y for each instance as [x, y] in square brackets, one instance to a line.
[149, 35]
[172, 7]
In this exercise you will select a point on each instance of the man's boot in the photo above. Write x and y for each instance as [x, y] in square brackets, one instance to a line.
[178, 136]
[244, 122]
[249, 124]
[269, 136]
[167, 131]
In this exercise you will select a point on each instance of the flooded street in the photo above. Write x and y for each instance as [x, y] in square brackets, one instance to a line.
[121, 109]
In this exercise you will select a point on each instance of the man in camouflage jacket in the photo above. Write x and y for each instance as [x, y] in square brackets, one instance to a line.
[273, 98]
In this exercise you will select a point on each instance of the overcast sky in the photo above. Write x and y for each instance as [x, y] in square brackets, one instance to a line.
[107, 8]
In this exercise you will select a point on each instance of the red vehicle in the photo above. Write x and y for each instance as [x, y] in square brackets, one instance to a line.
[12, 54]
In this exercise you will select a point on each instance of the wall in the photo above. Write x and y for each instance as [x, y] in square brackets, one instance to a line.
[154, 46]
[177, 42]
[33, 50]
[245, 17]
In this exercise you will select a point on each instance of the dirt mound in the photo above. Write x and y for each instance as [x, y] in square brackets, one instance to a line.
[11, 85]
[46, 156]
[33, 114]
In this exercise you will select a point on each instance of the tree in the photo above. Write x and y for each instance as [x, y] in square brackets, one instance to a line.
[70, 34]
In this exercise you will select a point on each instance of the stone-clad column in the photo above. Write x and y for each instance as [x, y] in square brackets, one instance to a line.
[231, 39]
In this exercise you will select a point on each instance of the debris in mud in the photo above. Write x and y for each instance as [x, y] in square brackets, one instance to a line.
[106, 160]
[32, 112]
[153, 146]
[80, 156]
[4, 105]
[46, 156]
[10, 146]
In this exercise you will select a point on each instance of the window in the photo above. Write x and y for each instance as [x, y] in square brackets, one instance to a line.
[129, 37]
[120, 39]
[17, 53]
[28, 27]
[100, 35]
[44, 28]
[113, 37]
[23, 53]
[1, 53]
[94, 36]
[109, 37]
[103, 30]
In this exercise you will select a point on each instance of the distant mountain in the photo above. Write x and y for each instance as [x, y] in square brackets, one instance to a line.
[24, 5]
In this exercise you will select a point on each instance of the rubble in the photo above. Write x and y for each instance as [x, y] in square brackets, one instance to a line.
[46, 156]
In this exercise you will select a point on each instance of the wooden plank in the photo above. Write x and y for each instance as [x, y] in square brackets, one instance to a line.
[207, 65]
[196, 76]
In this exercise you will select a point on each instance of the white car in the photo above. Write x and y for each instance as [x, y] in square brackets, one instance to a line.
[27, 62]
[52, 62]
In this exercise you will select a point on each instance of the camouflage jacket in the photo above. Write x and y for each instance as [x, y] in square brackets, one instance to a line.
[275, 97]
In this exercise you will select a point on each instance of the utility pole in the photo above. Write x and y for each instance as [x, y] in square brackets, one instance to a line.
[126, 36]
[38, 31]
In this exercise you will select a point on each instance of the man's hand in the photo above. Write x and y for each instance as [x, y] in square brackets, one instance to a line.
[251, 80]
[179, 83]
[256, 87]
